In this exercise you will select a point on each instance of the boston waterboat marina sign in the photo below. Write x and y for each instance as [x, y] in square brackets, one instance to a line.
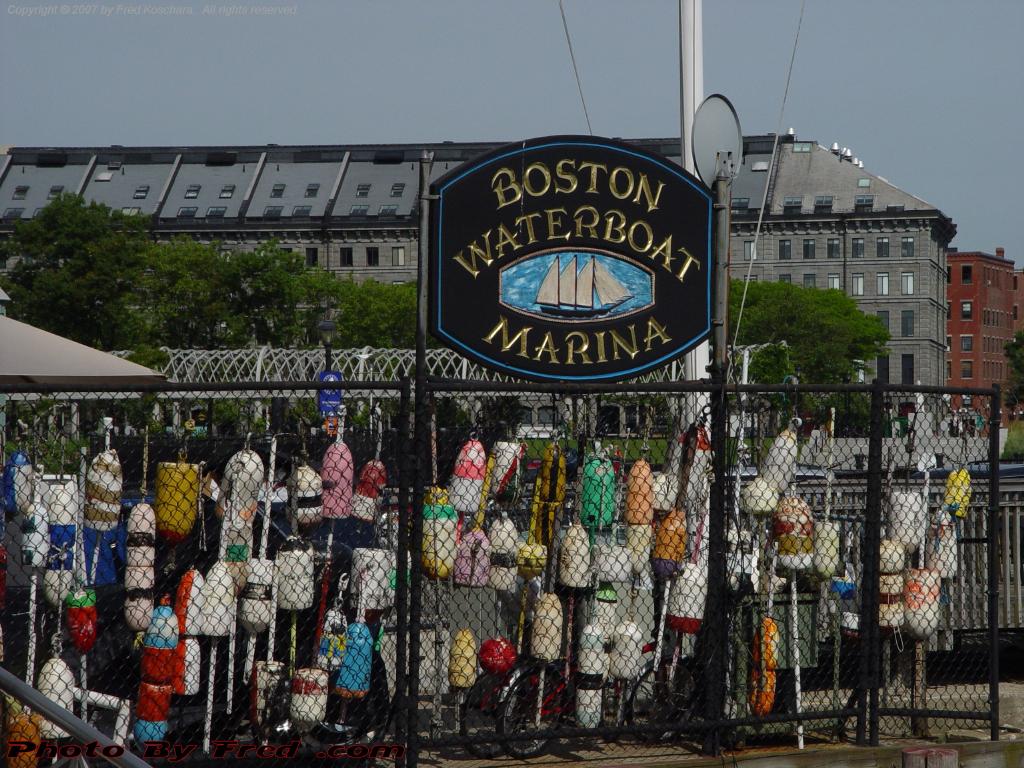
[570, 258]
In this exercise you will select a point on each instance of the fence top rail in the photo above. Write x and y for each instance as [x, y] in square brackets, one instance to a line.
[199, 388]
[862, 388]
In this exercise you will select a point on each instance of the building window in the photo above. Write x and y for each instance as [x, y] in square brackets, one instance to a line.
[863, 183]
[785, 278]
[949, 370]
[141, 192]
[216, 212]
[388, 210]
[104, 176]
[967, 343]
[907, 283]
[398, 256]
[833, 247]
[907, 369]
[301, 210]
[187, 212]
[748, 250]
[883, 315]
[907, 323]
[792, 205]
[227, 191]
[272, 212]
[823, 204]
[363, 190]
[277, 190]
[967, 276]
[882, 284]
[966, 310]
[833, 281]
[907, 248]
[312, 190]
[966, 369]
[54, 191]
[345, 257]
[809, 280]
[863, 203]
[19, 193]
[192, 191]
[740, 203]
[858, 247]
[130, 210]
[808, 249]
[882, 248]
[858, 284]
[882, 370]
[1014, 311]
[312, 257]
[397, 189]
[359, 210]
[802, 146]
[373, 256]
[785, 250]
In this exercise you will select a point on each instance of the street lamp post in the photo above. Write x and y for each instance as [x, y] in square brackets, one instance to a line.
[326, 330]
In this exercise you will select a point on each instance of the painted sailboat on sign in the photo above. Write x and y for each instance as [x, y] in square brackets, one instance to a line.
[587, 292]
[576, 285]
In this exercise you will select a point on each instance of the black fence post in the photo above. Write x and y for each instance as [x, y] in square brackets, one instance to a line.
[867, 694]
[405, 481]
[716, 638]
[994, 423]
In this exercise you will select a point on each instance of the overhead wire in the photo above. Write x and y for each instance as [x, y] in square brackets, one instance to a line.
[575, 69]
[767, 182]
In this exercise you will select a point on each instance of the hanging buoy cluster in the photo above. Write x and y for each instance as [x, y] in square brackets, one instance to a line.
[159, 661]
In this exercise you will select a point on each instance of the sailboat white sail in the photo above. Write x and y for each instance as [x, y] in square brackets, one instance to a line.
[593, 290]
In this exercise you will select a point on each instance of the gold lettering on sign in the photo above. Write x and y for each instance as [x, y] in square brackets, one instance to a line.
[655, 330]
[645, 228]
[572, 348]
[601, 357]
[507, 343]
[507, 193]
[547, 345]
[644, 188]
[506, 238]
[545, 174]
[555, 224]
[593, 168]
[690, 261]
[591, 227]
[567, 176]
[618, 342]
[615, 224]
[620, 182]
[527, 219]
[475, 251]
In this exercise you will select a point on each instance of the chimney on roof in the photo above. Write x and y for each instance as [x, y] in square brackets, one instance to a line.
[1000, 253]
[835, 148]
[791, 132]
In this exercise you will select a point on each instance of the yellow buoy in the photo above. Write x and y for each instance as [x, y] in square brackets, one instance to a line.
[462, 661]
[176, 499]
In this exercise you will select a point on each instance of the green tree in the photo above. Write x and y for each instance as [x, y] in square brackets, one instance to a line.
[376, 314]
[1015, 357]
[828, 338]
[78, 272]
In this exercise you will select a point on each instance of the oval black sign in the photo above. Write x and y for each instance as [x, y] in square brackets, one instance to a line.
[570, 258]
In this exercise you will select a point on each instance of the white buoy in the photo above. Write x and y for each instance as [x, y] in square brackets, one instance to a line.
[907, 518]
[254, 607]
[309, 698]
[103, 485]
[627, 652]
[467, 482]
[592, 658]
[760, 496]
[218, 598]
[613, 562]
[546, 637]
[240, 486]
[57, 683]
[293, 574]
[687, 595]
[504, 543]
[890, 600]
[826, 548]
[305, 489]
[574, 558]
[63, 507]
[921, 608]
[891, 555]
[138, 572]
[640, 542]
[375, 589]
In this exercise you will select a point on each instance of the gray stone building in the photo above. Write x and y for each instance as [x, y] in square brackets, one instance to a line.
[353, 211]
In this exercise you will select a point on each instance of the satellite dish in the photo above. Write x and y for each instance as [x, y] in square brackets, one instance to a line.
[716, 130]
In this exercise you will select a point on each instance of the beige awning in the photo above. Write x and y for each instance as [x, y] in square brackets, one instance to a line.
[29, 355]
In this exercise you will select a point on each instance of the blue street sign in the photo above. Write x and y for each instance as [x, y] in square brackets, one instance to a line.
[329, 400]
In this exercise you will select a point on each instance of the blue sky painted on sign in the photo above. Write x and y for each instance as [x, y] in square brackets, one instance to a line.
[521, 281]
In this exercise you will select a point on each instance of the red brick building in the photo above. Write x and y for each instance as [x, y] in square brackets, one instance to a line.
[982, 291]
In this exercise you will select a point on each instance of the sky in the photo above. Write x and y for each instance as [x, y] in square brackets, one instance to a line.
[928, 93]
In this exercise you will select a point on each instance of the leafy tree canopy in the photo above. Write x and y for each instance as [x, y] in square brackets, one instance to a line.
[828, 339]
[94, 275]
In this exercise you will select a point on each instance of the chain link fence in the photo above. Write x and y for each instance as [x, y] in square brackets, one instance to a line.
[494, 571]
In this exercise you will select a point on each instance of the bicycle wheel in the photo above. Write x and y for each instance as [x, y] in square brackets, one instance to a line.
[478, 717]
[519, 714]
[652, 700]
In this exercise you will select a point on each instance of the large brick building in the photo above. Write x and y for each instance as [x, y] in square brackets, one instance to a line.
[982, 289]
[352, 209]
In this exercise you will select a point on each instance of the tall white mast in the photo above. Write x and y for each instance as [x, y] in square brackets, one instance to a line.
[691, 94]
